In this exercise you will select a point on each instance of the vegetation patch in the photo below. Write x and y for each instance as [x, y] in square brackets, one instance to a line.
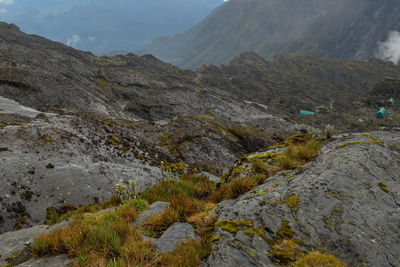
[285, 231]
[384, 187]
[292, 202]
[284, 252]
[298, 155]
[317, 259]
[48, 139]
[360, 142]
[13, 123]
[293, 140]
[234, 226]
[104, 234]
[368, 135]
[237, 187]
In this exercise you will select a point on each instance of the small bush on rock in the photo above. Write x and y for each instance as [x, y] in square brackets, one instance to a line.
[317, 259]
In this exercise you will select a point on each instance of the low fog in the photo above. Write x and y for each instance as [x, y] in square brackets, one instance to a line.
[390, 49]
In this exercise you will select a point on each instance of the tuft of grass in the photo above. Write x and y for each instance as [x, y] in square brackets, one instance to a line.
[48, 139]
[300, 154]
[384, 187]
[259, 166]
[234, 226]
[284, 252]
[189, 254]
[198, 187]
[237, 187]
[293, 202]
[317, 259]
[103, 234]
[158, 223]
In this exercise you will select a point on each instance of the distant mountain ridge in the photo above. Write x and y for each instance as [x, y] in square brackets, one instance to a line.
[344, 29]
[105, 27]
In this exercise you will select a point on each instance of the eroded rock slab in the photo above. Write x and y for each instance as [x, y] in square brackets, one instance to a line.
[346, 202]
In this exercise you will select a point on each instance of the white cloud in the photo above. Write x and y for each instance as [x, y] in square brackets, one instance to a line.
[6, 1]
[390, 49]
[3, 10]
[74, 40]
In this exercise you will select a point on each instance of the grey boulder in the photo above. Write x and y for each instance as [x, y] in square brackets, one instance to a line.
[56, 261]
[174, 235]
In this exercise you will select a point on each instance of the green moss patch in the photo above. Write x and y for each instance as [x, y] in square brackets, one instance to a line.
[234, 226]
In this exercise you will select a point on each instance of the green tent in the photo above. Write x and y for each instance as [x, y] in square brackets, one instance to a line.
[305, 113]
[382, 112]
[392, 101]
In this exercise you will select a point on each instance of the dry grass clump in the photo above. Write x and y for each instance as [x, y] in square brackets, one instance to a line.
[284, 252]
[317, 259]
[98, 239]
[237, 187]
[298, 155]
[198, 187]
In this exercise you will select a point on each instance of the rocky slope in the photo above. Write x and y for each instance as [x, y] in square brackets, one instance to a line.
[107, 119]
[72, 125]
[341, 29]
[345, 202]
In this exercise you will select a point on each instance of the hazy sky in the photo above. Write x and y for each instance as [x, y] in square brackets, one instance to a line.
[105, 26]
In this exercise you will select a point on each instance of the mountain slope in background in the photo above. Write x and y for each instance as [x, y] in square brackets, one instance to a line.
[106, 27]
[345, 29]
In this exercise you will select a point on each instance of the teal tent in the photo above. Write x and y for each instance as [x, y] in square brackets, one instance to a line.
[391, 101]
[382, 112]
[305, 113]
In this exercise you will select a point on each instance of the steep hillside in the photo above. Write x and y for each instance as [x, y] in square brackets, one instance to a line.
[345, 29]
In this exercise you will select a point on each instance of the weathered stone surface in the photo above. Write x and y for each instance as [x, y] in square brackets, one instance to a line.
[64, 160]
[155, 208]
[174, 235]
[16, 245]
[56, 261]
[349, 205]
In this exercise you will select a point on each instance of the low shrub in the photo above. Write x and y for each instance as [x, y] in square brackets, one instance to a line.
[237, 187]
[317, 259]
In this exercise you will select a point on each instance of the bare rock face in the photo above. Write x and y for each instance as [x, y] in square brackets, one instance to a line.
[346, 202]
[61, 161]
[174, 235]
[56, 261]
[15, 246]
